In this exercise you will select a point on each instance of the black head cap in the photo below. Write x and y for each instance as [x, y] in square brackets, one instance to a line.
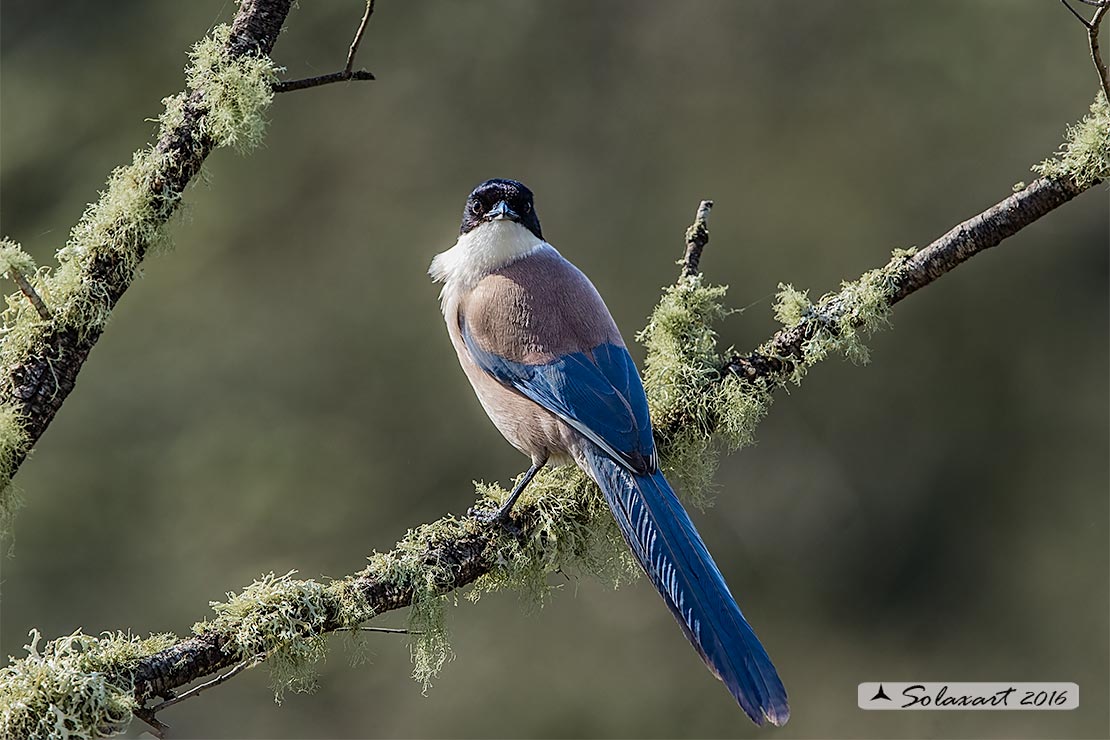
[499, 199]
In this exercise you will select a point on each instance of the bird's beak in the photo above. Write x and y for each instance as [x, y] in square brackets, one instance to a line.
[502, 212]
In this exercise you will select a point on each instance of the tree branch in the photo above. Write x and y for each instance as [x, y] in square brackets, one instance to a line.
[776, 359]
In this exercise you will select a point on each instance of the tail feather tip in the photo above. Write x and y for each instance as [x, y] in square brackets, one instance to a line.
[777, 715]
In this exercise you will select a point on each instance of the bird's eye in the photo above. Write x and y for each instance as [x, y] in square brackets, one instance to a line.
[475, 207]
[527, 209]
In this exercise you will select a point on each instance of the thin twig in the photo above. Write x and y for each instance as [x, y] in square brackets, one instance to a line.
[291, 85]
[358, 36]
[390, 630]
[697, 236]
[1096, 57]
[157, 727]
[28, 290]
[348, 72]
[1075, 12]
[1092, 27]
[239, 668]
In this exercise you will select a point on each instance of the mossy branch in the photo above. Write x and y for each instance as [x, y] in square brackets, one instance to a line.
[811, 329]
[46, 341]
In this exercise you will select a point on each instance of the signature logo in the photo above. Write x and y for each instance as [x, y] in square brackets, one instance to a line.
[968, 695]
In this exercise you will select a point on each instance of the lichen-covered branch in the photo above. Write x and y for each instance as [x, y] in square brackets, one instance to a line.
[811, 329]
[809, 326]
[228, 87]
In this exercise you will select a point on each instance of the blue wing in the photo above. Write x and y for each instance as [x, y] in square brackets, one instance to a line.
[598, 393]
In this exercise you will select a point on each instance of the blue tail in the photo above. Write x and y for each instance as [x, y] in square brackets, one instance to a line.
[663, 539]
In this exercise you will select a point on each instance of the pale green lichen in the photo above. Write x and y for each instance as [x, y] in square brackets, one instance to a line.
[791, 305]
[1085, 154]
[694, 409]
[12, 257]
[282, 620]
[128, 220]
[78, 686]
[740, 407]
[407, 567]
[681, 373]
[845, 318]
[568, 529]
[234, 92]
[13, 441]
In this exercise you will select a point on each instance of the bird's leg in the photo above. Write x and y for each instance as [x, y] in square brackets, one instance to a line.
[507, 507]
[501, 516]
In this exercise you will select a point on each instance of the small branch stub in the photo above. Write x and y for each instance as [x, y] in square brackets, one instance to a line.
[28, 290]
[17, 264]
[697, 236]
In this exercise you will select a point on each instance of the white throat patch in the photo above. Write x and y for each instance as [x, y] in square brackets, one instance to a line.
[480, 251]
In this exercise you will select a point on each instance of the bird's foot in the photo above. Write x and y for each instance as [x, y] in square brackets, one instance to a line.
[495, 517]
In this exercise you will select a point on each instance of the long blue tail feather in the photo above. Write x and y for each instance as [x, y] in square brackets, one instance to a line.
[663, 539]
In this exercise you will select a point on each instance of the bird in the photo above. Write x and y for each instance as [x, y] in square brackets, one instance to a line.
[549, 366]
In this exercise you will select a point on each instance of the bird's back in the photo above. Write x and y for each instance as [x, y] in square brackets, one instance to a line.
[537, 309]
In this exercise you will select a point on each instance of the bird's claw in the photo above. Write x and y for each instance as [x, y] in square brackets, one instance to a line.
[494, 517]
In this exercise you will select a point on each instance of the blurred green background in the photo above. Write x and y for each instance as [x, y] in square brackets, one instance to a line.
[279, 392]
